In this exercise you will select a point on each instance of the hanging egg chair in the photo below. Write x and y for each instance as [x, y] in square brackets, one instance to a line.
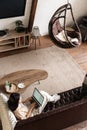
[63, 36]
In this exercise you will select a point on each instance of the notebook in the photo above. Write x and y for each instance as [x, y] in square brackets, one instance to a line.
[37, 97]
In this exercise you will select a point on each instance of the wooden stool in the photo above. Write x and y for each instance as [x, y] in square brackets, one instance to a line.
[34, 40]
[35, 35]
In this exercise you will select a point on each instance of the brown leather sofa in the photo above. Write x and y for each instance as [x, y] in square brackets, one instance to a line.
[71, 109]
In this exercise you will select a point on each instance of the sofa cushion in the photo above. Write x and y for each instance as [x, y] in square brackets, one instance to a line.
[11, 116]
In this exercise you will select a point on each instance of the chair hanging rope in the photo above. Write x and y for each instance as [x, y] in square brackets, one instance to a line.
[61, 35]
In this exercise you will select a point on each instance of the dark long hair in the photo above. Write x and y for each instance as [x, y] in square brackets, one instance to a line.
[13, 101]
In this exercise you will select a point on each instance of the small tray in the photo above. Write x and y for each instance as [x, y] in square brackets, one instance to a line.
[13, 88]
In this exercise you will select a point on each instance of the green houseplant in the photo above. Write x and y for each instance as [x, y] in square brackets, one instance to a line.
[19, 26]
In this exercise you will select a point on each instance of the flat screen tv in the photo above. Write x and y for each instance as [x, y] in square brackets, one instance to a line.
[12, 8]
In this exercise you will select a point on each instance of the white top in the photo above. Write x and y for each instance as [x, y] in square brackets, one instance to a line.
[21, 111]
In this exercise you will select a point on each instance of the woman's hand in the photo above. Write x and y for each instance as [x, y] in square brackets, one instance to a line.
[27, 100]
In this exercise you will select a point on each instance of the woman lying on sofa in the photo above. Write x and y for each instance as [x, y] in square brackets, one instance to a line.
[20, 108]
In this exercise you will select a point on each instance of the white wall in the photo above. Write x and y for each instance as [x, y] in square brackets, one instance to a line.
[46, 8]
[9, 23]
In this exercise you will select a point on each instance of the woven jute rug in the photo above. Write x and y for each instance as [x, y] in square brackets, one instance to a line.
[63, 72]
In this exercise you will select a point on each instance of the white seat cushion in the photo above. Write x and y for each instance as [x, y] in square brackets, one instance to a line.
[62, 37]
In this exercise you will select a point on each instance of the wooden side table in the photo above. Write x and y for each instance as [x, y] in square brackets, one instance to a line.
[35, 35]
[34, 40]
[26, 76]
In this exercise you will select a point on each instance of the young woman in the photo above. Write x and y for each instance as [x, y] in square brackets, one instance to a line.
[20, 108]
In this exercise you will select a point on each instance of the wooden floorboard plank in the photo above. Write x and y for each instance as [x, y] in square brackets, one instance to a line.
[80, 55]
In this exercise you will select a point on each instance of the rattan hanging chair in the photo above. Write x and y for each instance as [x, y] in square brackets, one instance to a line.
[63, 36]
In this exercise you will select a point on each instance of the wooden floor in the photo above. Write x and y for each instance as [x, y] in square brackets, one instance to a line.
[79, 53]
[45, 42]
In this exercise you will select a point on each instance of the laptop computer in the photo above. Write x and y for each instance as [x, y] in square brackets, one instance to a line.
[37, 97]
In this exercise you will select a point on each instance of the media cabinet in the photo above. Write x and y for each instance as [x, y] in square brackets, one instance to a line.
[14, 40]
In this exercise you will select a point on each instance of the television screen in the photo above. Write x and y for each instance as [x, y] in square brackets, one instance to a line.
[12, 8]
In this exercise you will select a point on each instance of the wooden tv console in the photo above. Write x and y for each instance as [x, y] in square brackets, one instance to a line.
[14, 40]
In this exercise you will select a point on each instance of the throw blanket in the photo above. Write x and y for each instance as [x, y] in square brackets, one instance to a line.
[63, 38]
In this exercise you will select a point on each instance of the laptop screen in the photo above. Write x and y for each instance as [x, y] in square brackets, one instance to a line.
[38, 97]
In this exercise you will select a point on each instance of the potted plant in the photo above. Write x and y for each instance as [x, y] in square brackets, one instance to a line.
[19, 26]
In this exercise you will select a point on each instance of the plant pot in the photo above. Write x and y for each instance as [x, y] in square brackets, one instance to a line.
[20, 29]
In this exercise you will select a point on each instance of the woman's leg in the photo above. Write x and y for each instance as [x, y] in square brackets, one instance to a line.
[48, 98]
[31, 108]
